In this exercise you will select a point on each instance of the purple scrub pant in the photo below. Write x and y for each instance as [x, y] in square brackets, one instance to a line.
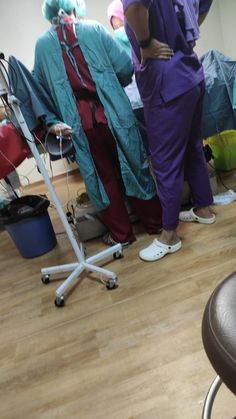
[176, 148]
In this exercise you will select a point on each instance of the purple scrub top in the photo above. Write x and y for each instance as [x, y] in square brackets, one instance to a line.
[160, 80]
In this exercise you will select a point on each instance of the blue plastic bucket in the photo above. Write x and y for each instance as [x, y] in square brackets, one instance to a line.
[33, 236]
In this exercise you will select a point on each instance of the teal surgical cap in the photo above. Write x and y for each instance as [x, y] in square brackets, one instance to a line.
[51, 8]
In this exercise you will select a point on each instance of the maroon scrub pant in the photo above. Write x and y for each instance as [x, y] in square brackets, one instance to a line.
[115, 216]
[176, 148]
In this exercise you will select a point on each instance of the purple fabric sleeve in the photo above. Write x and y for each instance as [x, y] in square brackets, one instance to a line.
[145, 3]
[204, 6]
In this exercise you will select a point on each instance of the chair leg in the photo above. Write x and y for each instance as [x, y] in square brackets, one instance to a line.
[208, 404]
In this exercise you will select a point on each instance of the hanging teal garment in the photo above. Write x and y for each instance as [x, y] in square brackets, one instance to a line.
[111, 69]
[121, 37]
[220, 97]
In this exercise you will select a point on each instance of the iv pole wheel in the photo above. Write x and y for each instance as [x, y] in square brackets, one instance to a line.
[112, 283]
[59, 301]
[45, 279]
[118, 255]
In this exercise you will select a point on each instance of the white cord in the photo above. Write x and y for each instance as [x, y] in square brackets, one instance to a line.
[60, 138]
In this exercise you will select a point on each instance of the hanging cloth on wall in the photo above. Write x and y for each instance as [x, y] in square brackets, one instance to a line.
[219, 113]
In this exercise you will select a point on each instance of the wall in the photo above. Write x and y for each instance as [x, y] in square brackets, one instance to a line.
[21, 22]
[20, 27]
[219, 29]
[227, 13]
[211, 31]
[98, 10]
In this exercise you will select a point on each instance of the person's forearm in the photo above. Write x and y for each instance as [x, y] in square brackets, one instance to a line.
[138, 19]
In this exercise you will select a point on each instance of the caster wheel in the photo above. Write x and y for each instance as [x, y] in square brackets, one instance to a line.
[59, 301]
[112, 283]
[118, 255]
[45, 279]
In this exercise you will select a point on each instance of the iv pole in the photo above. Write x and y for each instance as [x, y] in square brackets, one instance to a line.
[82, 263]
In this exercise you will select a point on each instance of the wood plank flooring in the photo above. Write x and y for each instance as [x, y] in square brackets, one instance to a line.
[131, 353]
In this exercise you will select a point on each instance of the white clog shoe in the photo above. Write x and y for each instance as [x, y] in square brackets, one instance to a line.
[158, 250]
[190, 216]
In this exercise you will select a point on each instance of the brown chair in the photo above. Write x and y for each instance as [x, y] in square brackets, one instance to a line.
[219, 338]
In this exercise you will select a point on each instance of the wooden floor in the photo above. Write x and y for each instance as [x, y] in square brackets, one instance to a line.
[131, 353]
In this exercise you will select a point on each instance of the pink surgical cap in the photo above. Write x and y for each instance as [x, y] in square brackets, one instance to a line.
[115, 8]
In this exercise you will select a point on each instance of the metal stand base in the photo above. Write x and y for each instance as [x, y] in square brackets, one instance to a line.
[82, 264]
[77, 268]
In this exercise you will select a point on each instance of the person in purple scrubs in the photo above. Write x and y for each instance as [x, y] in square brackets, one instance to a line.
[171, 84]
